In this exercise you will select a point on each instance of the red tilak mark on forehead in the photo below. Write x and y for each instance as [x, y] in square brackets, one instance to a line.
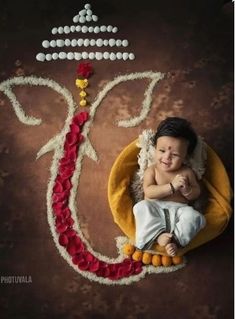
[169, 147]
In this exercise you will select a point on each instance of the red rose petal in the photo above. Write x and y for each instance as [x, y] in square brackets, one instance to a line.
[58, 188]
[66, 213]
[71, 154]
[72, 249]
[66, 172]
[64, 168]
[74, 128]
[107, 272]
[57, 208]
[81, 118]
[59, 220]
[85, 69]
[69, 221]
[71, 138]
[75, 245]
[61, 228]
[63, 240]
[137, 267]
[83, 265]
[89, 257]
[60, 197]
[103, 271]
[94, 266]
[67, 147]
[81, 247]
[63, 162]
[70, 233]
[67, 185]
[75, 259]
[77, 240]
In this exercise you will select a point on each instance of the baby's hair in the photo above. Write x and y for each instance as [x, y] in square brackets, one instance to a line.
[177, 127]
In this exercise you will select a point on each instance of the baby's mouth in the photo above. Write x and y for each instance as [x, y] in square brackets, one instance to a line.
[166, 164]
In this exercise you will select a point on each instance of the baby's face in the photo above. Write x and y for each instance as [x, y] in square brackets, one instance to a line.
[170, 153]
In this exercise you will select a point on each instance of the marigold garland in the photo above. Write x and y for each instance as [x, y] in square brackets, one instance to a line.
[84, 70]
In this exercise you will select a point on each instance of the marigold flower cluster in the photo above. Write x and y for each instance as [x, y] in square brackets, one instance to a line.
[84, 71]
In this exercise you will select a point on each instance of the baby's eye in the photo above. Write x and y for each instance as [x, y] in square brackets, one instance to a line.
[175, 155]
[162, 151]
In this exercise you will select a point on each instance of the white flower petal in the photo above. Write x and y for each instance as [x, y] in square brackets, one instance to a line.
[67, 42]
[55, 56]
[40, 57]
[85, 55]
[99, 42]
[77, 56]
[66, 29]
[70, 55]
[92, 42]
[53, 43]
[54, 30]
[45, 44]
[62, 55]
[103, 28]
[82, 19]
[80, 42]
[94, 18]
[125, 43]
[106, 55]
[74, 42]
[91, 55]
[86, 42]
[60, 30]
[76, 19]
[98, 55]
[87, 6]
[131, 56]
[96, 29]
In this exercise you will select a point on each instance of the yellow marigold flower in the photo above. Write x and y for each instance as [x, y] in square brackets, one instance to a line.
[82, 84]
[83, 93]
[83, 102]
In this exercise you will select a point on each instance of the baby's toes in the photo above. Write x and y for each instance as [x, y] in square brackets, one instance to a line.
[170, 249]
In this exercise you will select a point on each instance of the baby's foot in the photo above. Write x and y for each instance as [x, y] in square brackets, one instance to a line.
[171, 249]
[164, 239]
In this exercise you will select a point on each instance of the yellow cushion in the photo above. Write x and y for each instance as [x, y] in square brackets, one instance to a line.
[217, 212]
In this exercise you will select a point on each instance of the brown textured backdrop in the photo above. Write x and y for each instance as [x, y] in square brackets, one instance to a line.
[192, 43]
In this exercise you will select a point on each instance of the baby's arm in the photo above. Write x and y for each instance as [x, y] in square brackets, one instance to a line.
[191, 189]
[151, 189]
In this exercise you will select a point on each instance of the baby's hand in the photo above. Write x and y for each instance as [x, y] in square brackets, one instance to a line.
[186, 189]
[179, 181]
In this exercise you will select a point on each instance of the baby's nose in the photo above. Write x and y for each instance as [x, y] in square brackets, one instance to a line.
[167, 155]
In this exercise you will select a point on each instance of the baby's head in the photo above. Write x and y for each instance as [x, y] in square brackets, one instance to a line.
[174, 140]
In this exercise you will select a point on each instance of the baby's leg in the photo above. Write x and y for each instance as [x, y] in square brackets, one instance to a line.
[149, 222]
[190, 222]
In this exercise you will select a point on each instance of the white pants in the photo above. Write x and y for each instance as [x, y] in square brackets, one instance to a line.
[153, 217]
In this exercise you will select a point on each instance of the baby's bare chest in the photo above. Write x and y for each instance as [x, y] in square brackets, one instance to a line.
[165, 177]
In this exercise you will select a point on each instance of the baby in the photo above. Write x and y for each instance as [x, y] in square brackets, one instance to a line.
[164, 215]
